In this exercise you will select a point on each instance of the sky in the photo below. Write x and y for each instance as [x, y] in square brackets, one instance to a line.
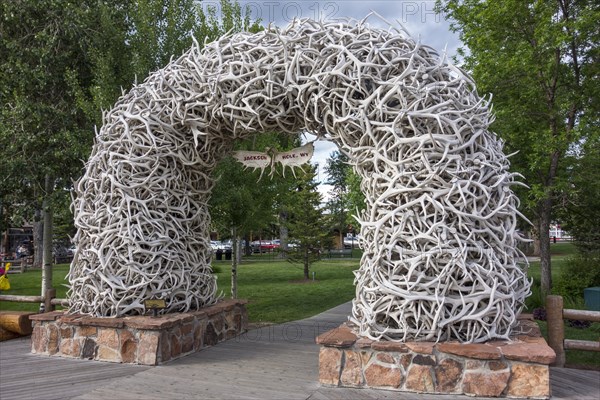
[417, 17]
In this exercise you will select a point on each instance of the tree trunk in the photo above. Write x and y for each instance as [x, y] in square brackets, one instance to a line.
[247, 248]
[238, 249]
[234, 263]
[283, 234]
[306, 263]
[47, 237]
[536, 242]
[3, 229]
[4, 248]
[545, 209]
[38, 239]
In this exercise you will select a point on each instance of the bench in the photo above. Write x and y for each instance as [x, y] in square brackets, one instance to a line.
[339, 253]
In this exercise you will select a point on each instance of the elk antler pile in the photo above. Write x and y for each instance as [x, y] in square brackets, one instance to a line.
[439, 232]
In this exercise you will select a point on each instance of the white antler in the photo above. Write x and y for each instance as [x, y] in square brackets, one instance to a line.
[439, 230]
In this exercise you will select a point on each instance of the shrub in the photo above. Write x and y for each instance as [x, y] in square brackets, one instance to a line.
[535, 300]
[539, 314]
[582, 271]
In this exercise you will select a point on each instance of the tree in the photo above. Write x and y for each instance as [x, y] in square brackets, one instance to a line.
[42, 134]
[540, 61]
[306, 223]
[356, 198]
[62, 62]
[337, 169]
[580, 212]
[239, 204]
[347, 200]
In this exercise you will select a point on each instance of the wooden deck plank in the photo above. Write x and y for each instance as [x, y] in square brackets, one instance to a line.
[278, 362]
[575, 384]
[28, 376]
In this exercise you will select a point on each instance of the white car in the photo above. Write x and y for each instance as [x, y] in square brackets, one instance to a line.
[215, 244]
[225, 245]
[351, 242]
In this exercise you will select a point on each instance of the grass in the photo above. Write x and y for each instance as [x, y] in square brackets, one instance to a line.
[275, 289]
[277, 293]
[29, 284]
[559, 252]
[562, 250]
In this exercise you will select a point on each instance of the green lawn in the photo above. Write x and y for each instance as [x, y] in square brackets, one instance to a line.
[560, 252]
[275, 289]
[29, 284]
[277, 293]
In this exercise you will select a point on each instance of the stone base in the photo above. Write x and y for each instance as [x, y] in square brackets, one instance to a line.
[138, 339]
[516, 368]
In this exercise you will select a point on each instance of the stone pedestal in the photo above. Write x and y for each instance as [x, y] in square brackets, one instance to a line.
[517, 368]
[139, 339]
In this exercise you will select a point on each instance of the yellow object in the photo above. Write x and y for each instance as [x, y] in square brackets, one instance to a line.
[4, 283]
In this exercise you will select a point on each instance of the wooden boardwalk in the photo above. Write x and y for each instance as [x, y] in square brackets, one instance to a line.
[275, 362]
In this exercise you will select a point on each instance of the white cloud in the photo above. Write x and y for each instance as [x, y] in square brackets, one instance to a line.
[417, 17]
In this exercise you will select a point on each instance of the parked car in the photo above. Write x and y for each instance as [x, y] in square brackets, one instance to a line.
[226, 244]
[263, 246]
[215, 245]
[291, 244]
[351, 242]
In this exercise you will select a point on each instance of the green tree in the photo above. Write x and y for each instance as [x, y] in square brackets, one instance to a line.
[306, 223]
[42, 134]
[238, 208]
[356, 198]
[580, 212]
[337, 169]
[63, 62]
[347, 199]
[131, 39]
[540, 61]
[241, 203]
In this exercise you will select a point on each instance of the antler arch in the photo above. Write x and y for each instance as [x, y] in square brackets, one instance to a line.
[439, 231]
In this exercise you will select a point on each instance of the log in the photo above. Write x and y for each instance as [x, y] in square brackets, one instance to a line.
[21, 299]
[556, 328]
[16, 321]
[583, 315]
[586, 345]
[7, 335]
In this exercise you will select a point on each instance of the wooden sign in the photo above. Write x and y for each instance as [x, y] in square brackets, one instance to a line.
[291, 158]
